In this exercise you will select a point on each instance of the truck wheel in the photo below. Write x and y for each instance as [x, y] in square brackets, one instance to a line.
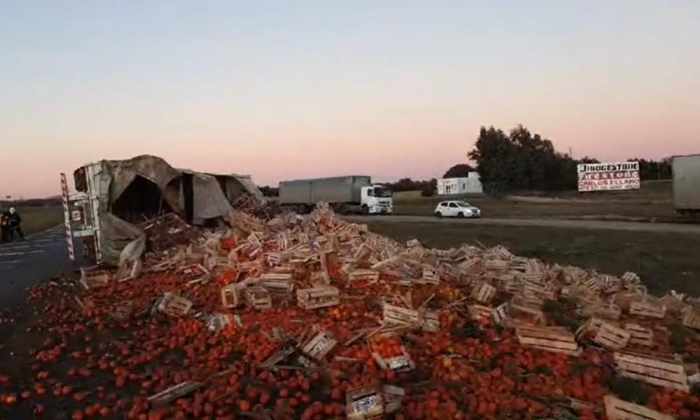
[438, 214]
[365, 209]
[460, 215]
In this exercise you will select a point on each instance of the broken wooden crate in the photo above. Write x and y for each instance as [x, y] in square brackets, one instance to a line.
[393, 398]
[617, 409]
[318, 297]
[174, 392]
[365, 403]
[363, 276]
[92, 277]
[173, 305]
[430, 276]
[317, 347]
[665, 371]
[480, 312]
[554, 339]
[278, 284]
[430, 321]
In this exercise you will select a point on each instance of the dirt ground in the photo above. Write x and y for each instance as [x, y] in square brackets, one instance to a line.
[665, 261]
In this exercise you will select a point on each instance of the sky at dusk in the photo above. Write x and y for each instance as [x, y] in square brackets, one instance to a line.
[283, 90]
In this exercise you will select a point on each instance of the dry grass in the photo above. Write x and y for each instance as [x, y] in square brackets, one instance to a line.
[36, 219]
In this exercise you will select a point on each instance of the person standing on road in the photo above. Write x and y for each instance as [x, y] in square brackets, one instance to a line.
[4, 227]
[15, 224]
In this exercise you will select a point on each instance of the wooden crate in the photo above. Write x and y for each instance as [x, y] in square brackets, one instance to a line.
[527, 314]
[554, 339]
[258, 298]
[398, 363]
[174, 305]
[483, 292]
[318, 297]
[232, 295]
[496, 265]
[393, 398]
[660, 371]
[611, 337]
[318, 347]
[122, 311]
[640, 336]
[430, 276]
[691, 318]
[480, 312]
[364, 404]
[277, 283]
[501, 313]
[364, 276]
[602, 310]
[217, 322]
[647, 309]
[396, 315]
[430, 321]
[92, 277]
[617, 409]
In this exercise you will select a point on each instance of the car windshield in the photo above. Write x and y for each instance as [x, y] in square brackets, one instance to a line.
[463, 204]
[382, 192]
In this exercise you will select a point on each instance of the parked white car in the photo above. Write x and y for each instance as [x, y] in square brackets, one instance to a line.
[456, 209]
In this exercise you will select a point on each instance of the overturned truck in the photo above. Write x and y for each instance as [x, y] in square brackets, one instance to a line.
[115, 197]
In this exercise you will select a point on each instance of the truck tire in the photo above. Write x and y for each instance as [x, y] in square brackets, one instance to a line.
[438, 214]
[365, 209]
[460, 215]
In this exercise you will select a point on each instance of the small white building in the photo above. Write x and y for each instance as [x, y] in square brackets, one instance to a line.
[471, 184]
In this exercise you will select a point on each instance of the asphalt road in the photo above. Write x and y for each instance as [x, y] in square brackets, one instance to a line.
[556, 223]
[25, 263]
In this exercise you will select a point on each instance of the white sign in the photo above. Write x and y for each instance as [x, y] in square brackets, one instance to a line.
[608, 176]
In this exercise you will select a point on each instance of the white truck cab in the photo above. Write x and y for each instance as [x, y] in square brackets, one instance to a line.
[376, 199]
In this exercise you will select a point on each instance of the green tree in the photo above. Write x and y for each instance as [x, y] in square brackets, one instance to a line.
[458, 171]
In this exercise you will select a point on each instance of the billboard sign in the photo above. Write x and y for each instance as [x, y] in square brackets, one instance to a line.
[608, 176]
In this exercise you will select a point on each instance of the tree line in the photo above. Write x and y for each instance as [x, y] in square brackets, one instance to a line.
[521, 160]
[518, 160]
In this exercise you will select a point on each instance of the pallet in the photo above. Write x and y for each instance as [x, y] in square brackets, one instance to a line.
[396, 315]
[640, 336]
[173, 305]
[554, 339]
[612, 337]
[364, 404]
[483, 293]
[318, 297]
[258, 298]
[617, 409]
[664, 372]
[647, 309]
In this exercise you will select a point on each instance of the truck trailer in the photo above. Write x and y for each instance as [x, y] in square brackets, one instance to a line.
[686, 184]
[346, 194]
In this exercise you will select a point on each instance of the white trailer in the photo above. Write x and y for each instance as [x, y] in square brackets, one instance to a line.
[686, 184]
